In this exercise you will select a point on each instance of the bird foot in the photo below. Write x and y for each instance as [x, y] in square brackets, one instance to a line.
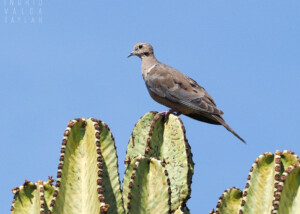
[168, 112]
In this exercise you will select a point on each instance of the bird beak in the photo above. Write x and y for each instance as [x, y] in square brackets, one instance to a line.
[131, 54]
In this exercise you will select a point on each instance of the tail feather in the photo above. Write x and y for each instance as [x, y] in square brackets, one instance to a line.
[222, 122]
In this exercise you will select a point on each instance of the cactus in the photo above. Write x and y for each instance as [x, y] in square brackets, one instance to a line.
[149, 187]
[158, 175]
[273, 186]
[33, 197]
[87, 178]
[166, 141]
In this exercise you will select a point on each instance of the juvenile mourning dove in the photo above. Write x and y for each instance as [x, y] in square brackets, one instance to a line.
[173, 89]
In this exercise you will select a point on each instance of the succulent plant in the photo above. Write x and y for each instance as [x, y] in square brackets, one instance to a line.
[158, 175]
[157, 179]
[166, 141]
[273, 186]
[33, 197]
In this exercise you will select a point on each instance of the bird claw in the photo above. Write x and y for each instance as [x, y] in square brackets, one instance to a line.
[168, 112]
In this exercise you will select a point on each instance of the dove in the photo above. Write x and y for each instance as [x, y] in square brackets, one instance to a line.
[177, 91]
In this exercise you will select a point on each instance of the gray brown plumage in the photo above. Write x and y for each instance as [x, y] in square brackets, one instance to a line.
[173, 89]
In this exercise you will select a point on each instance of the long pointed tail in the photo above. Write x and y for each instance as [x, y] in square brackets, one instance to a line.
[222, 122]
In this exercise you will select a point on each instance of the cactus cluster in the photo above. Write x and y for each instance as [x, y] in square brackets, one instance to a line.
[273, 186]
[157, 179]
[155, 138]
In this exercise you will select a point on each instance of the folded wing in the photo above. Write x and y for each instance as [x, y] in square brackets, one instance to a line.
[168, 83]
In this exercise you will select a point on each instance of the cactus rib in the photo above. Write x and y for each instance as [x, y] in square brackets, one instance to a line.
[149, 185]
[272, 186]
[289, 187]
[166, 141]
[84, 185]
[32, 197]
[230, 200]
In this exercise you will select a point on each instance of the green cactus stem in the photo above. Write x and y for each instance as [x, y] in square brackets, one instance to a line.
[289, 201]
[32, 198]
[230, 201]
[139, 136]
[87, 178]
[273, 186]
[164, 139]
[149, 187]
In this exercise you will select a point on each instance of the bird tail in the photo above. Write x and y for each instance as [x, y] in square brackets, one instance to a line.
[223, 123]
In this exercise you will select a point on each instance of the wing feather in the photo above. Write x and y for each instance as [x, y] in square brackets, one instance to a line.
[168, 83]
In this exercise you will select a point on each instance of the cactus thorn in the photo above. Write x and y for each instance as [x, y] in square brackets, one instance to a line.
[105, 208]
[133, 144]
[15, 190]
[166, 162]
[127, 161]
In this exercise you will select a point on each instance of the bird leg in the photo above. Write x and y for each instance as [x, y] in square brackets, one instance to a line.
[168, 112]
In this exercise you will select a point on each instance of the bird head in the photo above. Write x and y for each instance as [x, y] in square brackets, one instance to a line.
[141, 49]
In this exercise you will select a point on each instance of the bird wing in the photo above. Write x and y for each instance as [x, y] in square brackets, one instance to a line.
[168, 83]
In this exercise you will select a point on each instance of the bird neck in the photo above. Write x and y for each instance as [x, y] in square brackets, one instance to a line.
[147, 63]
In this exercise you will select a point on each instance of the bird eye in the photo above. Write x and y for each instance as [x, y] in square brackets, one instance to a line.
[140, 46]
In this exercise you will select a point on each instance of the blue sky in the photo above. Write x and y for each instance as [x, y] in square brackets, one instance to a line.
[73, 64]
